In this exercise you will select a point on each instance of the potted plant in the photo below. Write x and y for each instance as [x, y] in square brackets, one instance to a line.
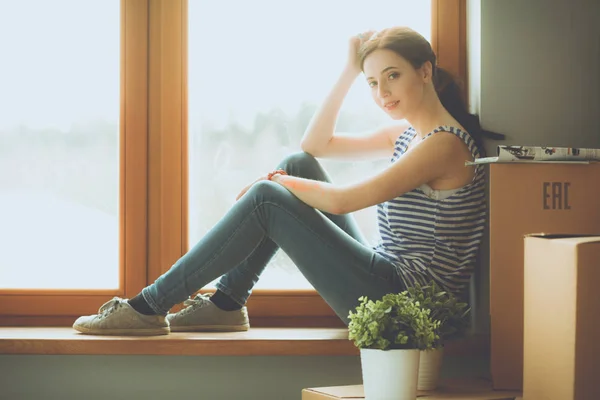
[390, 333]
[452, 315]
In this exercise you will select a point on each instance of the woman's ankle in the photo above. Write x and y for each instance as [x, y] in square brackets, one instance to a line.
[139, 304]
[224, 302]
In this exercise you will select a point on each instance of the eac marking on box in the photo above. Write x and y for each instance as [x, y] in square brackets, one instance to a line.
[556, 195]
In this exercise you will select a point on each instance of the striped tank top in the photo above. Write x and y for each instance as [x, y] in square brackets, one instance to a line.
[434, 234]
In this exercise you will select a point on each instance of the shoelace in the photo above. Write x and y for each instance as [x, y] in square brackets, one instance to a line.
[199, 301]
[110, 306]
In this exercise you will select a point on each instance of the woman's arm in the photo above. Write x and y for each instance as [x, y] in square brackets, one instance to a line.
[320, 139]
[323, 196]
[439, 156]
[321, 127]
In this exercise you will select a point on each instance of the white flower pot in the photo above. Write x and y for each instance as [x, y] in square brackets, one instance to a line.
[430, 365]
[390, 374]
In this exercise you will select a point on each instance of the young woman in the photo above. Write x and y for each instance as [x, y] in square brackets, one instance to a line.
[431, 208]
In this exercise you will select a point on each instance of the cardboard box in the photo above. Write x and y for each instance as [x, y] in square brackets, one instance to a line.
[562, 307]
[524, 199]
[450, 389]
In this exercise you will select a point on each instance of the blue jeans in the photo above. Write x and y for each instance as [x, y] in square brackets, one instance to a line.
[328, 249]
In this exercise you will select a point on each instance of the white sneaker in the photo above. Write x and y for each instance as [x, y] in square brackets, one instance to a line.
[117, 317]
[201, 315]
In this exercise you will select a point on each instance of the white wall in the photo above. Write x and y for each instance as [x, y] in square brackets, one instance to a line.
[534, 75]
[540, 71]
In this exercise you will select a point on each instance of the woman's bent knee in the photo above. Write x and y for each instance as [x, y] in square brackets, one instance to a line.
[304, 165]
[266, 191]
[301, 160]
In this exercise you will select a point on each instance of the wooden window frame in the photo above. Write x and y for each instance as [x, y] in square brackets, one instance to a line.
[154, 153]
[449, 37]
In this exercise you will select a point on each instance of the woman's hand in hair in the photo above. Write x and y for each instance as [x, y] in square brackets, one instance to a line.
[355, 42]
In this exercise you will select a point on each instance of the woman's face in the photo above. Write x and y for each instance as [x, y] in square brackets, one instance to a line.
[395, 85]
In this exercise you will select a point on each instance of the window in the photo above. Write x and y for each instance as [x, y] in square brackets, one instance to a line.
[254, 84]
[72, 140]
[146, 145]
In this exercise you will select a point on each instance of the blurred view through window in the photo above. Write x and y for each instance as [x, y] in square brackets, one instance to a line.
[59, 144]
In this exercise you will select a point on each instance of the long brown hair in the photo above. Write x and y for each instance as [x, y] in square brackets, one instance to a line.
[414, 48]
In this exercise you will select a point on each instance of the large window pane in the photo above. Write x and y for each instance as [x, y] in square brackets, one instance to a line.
[59, 144]
[258, 70]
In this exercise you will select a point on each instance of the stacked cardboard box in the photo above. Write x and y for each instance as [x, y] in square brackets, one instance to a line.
[562, 306]
[526, 199]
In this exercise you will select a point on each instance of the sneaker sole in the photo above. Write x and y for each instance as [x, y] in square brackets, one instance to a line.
[210, 328]
[124, 332]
